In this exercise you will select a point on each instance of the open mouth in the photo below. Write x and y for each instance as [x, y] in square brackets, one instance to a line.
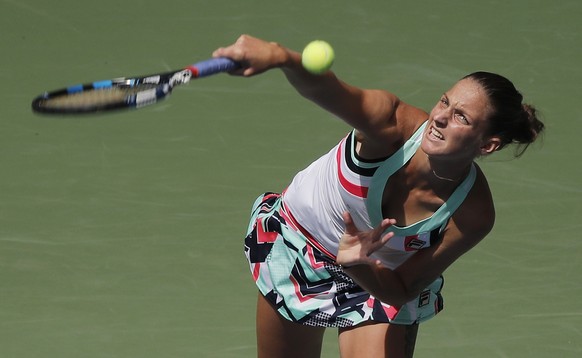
[435, 133]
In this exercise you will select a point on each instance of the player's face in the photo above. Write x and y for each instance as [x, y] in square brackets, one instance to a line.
[458, 123]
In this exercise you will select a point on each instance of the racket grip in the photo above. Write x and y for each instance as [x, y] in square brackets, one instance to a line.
[212, 66]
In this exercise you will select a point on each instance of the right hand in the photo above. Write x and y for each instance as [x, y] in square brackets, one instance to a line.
[255, 55]
[356, 246]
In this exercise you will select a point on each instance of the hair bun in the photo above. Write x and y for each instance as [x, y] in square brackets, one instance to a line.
[512, 121]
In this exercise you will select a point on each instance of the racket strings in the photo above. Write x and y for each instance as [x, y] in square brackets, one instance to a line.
[95, 98]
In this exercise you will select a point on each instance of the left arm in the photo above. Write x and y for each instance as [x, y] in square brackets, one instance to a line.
[396, 287]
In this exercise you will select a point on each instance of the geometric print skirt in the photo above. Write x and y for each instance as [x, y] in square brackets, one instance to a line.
[304, 283]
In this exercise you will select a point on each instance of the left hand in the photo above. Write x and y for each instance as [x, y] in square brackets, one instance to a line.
[356, 246]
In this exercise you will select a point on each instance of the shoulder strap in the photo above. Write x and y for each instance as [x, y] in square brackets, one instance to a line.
[443, 214]
[389, 167]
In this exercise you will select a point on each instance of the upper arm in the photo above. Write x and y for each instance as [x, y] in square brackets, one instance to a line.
[379, 115]
[383, 118]
[472, 221]
[366, 110]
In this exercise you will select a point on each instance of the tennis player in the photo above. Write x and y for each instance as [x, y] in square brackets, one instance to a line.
[360, 238]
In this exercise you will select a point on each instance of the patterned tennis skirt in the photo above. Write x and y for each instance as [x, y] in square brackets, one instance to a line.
[303, 282]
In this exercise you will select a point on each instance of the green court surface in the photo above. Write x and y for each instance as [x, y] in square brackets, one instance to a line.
[121, 235]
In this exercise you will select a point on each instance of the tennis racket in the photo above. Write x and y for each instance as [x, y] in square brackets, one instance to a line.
[126, 92]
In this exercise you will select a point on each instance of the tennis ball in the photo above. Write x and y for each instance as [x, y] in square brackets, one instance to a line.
[317, 57]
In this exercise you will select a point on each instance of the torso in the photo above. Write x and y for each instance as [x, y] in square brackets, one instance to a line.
[405, 203]
[314, 199]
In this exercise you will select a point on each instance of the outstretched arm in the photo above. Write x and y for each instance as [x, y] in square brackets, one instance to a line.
[371, 112]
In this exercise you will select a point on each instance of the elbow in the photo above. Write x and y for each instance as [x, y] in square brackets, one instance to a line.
[400, 294]
[412, 292]
[388, 286]
[407, 298]
[397, 299]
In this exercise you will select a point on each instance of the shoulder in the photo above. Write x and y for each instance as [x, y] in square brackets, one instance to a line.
[397, 123]
[405, 120]
[409, 118]
[475, 218]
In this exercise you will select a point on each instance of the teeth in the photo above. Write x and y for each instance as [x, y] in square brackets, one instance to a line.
[436, 133]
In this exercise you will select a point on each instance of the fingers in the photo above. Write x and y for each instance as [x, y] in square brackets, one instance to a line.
[386, 223]
[347, 218]
[234, 54]
[234, 51]
[349, 222]
[357, 246]
[387, 238]
[378, 238]
[380, 229]
[376, 232]
[254, 55]
[257, 56]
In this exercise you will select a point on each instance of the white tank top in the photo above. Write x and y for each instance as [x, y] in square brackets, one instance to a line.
[335, 183]
[340, 180]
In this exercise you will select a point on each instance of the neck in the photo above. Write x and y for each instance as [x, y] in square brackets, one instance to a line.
[447, 172]
[454, 180]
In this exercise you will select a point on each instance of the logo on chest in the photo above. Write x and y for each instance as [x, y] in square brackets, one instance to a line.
[413, 243]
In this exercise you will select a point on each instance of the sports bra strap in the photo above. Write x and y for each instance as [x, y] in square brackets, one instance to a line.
[383, 173]
[393, 164]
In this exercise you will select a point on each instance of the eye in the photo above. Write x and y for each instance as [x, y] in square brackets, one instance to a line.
[461, 117]
[444, 102]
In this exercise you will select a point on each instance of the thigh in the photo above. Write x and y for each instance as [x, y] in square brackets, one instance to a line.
[378, 340]
[279, 338]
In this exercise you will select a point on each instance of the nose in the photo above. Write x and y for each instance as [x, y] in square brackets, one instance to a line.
[441, 116]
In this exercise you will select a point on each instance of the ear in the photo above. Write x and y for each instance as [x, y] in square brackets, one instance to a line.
[490, 145]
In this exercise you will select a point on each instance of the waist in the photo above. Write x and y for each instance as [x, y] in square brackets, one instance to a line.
[291, 221]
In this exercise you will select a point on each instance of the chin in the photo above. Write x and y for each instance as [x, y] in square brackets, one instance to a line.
[431, 149]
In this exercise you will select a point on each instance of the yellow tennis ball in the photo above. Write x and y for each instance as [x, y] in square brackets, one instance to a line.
[317, 57]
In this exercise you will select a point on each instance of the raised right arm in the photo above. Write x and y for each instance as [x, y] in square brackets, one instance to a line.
[374, 113]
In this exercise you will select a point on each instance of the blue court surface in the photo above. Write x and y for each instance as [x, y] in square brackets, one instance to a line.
[121, 235]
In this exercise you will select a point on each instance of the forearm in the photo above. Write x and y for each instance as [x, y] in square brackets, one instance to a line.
[380, 282]
[325, 90]
[366, 110]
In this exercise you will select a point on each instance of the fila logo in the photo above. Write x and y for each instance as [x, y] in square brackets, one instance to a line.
[424, 298]
[413, 243]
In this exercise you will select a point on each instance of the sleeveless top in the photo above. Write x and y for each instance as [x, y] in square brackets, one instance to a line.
[341, 181]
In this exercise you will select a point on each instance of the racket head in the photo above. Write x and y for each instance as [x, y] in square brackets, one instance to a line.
[115, 94]
[135, 92]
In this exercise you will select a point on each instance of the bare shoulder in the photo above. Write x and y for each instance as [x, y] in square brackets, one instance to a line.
[470, 224]
[393, 124]
[409, 118]
[475, 218]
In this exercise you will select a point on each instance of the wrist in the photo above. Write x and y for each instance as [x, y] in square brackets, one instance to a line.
[351, 265]
[346, 267]
[288, 59]
[284, 58]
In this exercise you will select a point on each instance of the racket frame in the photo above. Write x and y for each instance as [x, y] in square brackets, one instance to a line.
[155, 88]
